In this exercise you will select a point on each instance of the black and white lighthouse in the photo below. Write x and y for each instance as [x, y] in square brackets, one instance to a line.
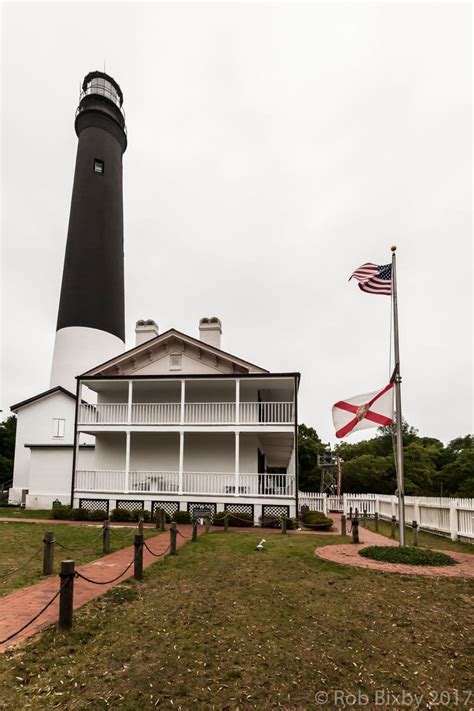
[91, 321]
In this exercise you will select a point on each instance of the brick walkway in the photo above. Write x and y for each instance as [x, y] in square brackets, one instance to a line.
[20, 606]
[348, 554]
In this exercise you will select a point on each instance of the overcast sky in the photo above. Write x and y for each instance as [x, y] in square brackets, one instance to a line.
[273, 148]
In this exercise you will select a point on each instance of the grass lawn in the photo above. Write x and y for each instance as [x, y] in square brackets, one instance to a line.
[221, 626]
[426, 540]
[17, 512]
[19, 542]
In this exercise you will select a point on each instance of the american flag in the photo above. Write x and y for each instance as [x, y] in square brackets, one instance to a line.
[374, 278]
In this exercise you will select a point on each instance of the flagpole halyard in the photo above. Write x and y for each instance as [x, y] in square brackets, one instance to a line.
[398, 406]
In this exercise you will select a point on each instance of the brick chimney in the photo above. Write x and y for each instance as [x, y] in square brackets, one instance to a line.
[145, 331]
[210, 331]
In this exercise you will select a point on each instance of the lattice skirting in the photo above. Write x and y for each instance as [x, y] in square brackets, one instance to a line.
[170, 507]
[239, 508]
[202, 505]
[94, 504]
[130, 505]
[277, 511]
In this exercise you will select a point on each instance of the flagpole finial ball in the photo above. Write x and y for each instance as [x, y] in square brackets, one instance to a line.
[393, 247]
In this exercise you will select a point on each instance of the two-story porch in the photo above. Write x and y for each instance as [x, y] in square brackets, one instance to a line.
[179, 442]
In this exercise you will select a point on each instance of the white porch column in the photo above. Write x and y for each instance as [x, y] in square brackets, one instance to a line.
[237, 462]
[130, 399]
[181, 462]
[183, 399]
[237, 401]
[127, 461]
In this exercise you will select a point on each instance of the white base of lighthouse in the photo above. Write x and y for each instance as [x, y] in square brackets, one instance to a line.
[77, 349]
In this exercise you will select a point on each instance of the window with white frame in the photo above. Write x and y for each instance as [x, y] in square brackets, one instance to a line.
[59, 426]
[175, 361]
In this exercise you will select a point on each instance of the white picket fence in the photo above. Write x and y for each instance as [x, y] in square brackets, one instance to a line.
[444, 515]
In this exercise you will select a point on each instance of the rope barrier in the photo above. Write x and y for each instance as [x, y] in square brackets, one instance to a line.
[23, 565]
[118, 535]
[33, 619]
[106, 582]
[181, 534]
[157, 555]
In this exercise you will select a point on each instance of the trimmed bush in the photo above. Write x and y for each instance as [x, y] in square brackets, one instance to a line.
[182, 517]
[409, 555]
[62, 512]
[120, 515]
[275, 522]
[238, 519]
[99, 515]
[316, 520]
[80, 515]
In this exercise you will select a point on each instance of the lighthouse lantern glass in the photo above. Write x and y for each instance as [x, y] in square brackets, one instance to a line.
[99, 85]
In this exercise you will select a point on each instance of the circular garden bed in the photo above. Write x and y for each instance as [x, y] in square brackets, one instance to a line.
[317, 521]
[407, 556]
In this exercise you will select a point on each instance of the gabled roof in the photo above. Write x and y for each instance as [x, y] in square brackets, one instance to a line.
[57, 389]
[167, 335]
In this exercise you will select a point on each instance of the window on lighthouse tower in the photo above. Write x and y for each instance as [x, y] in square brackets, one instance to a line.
[98, 166]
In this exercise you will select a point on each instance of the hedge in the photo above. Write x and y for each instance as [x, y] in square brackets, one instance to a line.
[409, 555]
[316, 520]
[238, 519]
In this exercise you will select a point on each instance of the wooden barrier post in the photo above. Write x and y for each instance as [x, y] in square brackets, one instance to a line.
[195, 532]
[48, 553]
[106, 537]
[226, 522]
[376, 522]
[393, 524]
[66, 595]
[173, 538]
[138, 560]
[283, 524]
[157, 517]
[162, 520]
[343, 525]
[355, 530]
[208, 524]
[415, 533]
[140, 526]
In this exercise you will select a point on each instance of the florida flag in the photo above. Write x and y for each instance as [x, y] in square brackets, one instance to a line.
[362, 411]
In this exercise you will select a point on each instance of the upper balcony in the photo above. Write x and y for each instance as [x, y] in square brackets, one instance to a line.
[186, 402]
[196, 413]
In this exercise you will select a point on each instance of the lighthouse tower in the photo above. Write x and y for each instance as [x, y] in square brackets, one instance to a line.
[91, 321]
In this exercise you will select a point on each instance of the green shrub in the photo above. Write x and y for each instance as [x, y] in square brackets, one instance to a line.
[80, 515]
[120, 515]
[238, 519]
[99, 515]
[316, 520]
[182, 517]
[275, 522]
[62, 512]
[409, 555]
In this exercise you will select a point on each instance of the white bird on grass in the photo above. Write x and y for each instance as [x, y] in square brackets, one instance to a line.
[260, 545]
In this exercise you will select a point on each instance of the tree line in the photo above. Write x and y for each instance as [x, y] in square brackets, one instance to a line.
[431, 468]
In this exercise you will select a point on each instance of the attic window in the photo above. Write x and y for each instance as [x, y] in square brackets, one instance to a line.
[175, 361]
[59, 426]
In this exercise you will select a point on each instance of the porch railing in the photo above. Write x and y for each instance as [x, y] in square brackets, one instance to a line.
[170, 413]
[167, 482]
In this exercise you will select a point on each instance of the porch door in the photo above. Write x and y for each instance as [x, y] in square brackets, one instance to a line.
[261, 467]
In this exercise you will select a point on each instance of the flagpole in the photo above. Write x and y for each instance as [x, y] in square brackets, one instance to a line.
[398, 406]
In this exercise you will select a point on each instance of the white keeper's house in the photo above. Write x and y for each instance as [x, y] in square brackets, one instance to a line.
[180, 423]
[174, 422]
